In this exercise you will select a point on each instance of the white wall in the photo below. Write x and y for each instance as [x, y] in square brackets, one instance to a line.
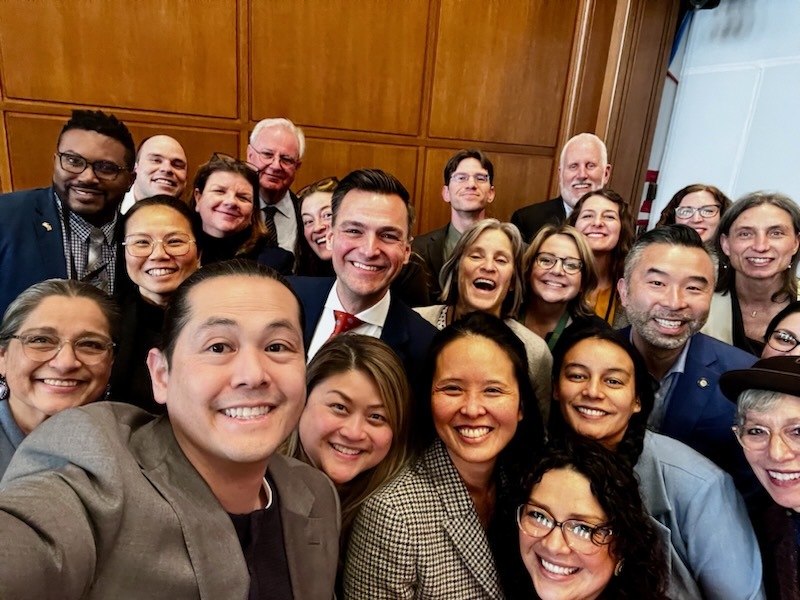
[736, 119]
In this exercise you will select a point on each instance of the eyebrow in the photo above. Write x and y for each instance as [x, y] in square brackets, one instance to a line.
[348, 399]
[214, 322]
[656, 271]
[54, 331]
[609, 370]
[578, 517]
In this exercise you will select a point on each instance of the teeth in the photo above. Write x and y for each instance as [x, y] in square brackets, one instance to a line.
[592, 412]
[346, 450]
[160, 272]
[554, 284]
[168, 182]
[474, 432]
[548, 566]
[61, 382]
[320, 241]
[484, 284]
[668, 323]
[246, 412]
[364, 267]
[783, 476]
[759, 261]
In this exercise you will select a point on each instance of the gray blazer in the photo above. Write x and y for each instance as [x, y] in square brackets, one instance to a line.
[420, 537]
[100, 502]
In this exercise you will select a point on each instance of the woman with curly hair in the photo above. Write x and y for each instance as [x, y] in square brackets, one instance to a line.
[606, 394]
[608, 223]
[606, 546]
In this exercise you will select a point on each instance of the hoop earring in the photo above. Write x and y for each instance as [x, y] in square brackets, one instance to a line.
[618, 568]
[4, 391]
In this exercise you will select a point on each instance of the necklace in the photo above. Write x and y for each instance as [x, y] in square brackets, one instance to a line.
[754, 313]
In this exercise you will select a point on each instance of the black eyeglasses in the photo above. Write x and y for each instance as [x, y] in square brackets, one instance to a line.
[782, 340]
[570, 265]
[76, 164]
[687, 212]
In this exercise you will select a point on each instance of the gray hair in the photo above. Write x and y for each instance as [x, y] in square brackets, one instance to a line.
[285, 124]
[448, 277]
[757, 401]
[24, 304]
[585, 137]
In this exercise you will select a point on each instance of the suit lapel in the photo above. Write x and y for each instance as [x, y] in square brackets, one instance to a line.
[694, 389]
[207, 529]
[462, 525]
[47, 232]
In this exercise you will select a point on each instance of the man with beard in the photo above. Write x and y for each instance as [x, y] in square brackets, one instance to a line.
[67, 230]
[666, 291]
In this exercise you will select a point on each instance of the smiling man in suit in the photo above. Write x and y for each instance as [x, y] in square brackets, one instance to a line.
[67, 230]
[108, 501]
[667, 288]
[370, 242]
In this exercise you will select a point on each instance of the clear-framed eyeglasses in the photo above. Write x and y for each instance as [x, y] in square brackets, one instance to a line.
[139, 245]
[756, 438]
[286, 161]
[465, 177]
[42, 347]
[687, 212]
[76, 164]
[582, 537]
[547, 261]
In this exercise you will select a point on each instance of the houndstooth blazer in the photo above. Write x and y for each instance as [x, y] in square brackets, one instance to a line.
[420, 537]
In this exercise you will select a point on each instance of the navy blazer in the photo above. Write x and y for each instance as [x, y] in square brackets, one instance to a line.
[530, 219]
[31, 244]
[404, 331]
[699, 414]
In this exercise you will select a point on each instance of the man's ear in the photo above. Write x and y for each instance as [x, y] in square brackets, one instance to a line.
[607, 174]
[622, 290]
[159, 374]
[446, 194]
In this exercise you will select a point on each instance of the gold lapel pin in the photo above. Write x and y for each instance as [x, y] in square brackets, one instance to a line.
[47, 226]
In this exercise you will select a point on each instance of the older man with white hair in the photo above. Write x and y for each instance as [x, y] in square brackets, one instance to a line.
[583, 168]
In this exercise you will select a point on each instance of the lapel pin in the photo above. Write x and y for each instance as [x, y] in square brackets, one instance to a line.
[702, 382]
[47, 226]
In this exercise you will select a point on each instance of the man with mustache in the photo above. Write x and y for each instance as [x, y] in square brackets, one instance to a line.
[583, 168]
[666, 291]
[67, 230]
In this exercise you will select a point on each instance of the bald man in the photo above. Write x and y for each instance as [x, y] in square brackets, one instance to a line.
[161, 168]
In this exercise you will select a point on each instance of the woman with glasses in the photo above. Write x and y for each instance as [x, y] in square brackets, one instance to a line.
[768, 428]
[226, 198]
[783, 333]
[560, 272]
[484, 273]
[431, 531]
[583, 531]
[608, 223]
[757, 241]
[700, 207]
[161, 240]
[57, 343]
[606, 394]
[314, 203]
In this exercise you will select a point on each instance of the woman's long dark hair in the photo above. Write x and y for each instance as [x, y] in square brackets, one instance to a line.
[630, 448]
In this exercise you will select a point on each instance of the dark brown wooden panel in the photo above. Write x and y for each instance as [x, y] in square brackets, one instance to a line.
[175, 56]
[339, 63]
[519, 179]
[501, 70]
[32, 142]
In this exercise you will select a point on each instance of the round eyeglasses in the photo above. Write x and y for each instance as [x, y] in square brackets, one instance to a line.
[687, 212]
[782, 340]
[580, 536]
[547, 261]
[285, 161]
[756, 438]
[140, 246]
[76, 164]
[43, 347]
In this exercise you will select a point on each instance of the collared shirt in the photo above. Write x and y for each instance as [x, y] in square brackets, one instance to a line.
[374, 318]
[127, 202]
[76, 245]
[11, 436]
[285, 222]
[665, 388]
[567, 208]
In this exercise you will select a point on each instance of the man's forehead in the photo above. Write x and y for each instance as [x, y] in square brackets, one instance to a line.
[277, 136]
[162, 144]
[470, 164]
[684, 261]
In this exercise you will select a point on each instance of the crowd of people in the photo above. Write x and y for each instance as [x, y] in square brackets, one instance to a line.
[230, 391]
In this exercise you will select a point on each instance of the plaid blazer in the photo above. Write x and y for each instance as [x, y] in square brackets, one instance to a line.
[420, 537]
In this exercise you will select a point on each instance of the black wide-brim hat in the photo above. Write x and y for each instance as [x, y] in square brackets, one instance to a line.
[776, 374]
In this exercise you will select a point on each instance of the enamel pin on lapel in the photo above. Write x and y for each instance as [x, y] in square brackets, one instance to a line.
[702, 382]
[47, 226]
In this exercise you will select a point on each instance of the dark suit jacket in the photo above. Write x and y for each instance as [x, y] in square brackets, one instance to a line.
[101, 502]
[430, 247]
[31, 244]
[699, 414]
[530, 219]
[404, 331]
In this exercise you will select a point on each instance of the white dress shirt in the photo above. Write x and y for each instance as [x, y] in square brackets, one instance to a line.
[285, 222]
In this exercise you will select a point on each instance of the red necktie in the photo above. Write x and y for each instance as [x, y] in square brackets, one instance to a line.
[344, 323]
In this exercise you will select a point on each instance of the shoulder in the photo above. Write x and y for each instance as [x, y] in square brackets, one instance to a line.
[679, 462]
[430, 313]
[284, 468]
[731, 357]
[423, 240]
[537, 208]
[16, 205]
[420, 326]
[534, 345]
[307, 286]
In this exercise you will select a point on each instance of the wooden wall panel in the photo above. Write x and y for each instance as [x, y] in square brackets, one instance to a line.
[501, 68]
[165, 55]
[338, 63]
[32, 142]
[519, 179]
